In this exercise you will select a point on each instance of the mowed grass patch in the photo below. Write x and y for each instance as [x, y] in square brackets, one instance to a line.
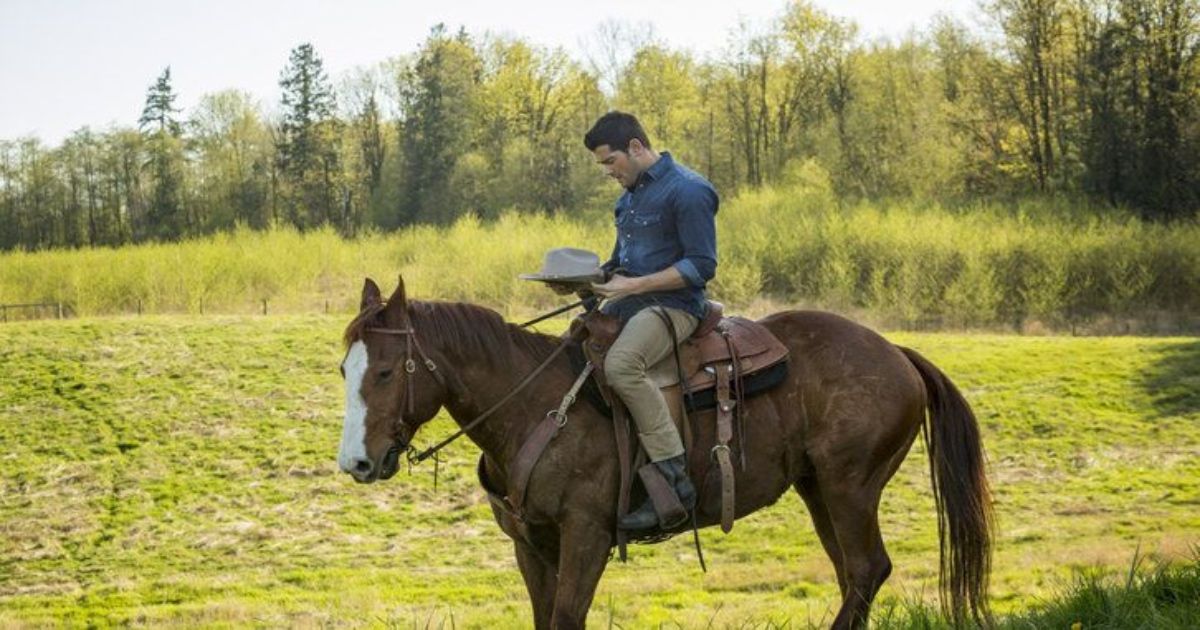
[180, 471]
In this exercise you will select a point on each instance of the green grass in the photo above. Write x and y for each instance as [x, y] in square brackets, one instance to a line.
[180, 471]
[1162, 596]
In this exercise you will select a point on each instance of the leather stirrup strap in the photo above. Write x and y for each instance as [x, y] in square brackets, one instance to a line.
[725, 407]
[685, 429]
[621, 431]
[739, 406]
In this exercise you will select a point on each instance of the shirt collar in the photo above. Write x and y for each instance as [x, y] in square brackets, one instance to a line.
[657, 170]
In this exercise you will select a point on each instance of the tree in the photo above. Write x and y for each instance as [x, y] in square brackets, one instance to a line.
[165, 218]
[438, 100]
[233, 160]
[309, 162]
[1164, 38]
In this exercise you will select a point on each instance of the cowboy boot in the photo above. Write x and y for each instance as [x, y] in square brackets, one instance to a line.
[646, 517]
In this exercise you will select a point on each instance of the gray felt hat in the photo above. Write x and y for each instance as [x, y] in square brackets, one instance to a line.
[568, 264]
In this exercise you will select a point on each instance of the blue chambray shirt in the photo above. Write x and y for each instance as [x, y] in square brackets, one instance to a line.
[668, 219]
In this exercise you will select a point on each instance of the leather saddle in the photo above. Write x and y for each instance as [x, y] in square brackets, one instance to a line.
[717, 340]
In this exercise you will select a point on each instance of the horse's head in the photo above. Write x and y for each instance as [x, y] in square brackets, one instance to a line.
[391, 386]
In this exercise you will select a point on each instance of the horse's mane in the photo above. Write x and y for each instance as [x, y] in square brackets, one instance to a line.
[467, 331]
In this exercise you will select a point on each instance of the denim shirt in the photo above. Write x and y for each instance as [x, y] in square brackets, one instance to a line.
[668, 219]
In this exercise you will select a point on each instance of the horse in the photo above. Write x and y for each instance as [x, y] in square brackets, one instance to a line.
[835, 431]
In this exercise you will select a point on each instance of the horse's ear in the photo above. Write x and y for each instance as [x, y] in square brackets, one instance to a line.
[370, 295]
[398, 297]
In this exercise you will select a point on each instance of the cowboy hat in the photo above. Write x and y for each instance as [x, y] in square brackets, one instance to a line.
[568, 264]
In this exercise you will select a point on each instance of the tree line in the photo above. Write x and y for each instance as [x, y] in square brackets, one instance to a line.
[1098, 99]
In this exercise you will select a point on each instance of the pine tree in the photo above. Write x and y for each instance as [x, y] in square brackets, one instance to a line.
[165, 218]
[308, 157]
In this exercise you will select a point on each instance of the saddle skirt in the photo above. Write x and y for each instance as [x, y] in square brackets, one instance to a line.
[755, 347]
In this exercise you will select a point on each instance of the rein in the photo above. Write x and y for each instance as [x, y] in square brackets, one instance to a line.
[410, 366]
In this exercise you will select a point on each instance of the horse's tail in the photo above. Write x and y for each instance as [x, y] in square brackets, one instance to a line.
[961, 492]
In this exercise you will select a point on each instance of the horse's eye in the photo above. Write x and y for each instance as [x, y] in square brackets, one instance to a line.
[384, 375]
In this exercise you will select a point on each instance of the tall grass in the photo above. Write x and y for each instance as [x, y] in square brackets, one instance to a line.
[1163, 596]
[910, 265]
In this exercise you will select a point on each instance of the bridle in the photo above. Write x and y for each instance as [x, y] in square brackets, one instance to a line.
[410, 367]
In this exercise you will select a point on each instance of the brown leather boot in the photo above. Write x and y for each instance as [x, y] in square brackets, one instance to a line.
[646, 517]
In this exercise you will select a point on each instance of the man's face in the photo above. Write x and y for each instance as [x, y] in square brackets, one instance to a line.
[618, 164]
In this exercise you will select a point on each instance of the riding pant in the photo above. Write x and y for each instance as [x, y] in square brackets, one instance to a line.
[644, 342]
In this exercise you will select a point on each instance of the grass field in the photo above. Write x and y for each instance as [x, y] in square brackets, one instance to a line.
[180, 471]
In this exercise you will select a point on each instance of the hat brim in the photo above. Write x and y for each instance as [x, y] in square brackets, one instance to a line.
[597, 277]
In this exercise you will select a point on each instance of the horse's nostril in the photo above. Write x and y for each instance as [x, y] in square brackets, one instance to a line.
[362, 466]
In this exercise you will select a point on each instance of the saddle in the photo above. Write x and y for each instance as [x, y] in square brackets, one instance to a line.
[724, 361]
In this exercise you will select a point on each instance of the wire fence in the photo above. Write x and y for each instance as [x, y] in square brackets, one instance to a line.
[22, 312]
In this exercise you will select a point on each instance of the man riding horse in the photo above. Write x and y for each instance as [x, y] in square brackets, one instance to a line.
[835, 430]
[665, 252]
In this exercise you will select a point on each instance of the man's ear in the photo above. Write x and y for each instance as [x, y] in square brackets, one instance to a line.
[635, 148]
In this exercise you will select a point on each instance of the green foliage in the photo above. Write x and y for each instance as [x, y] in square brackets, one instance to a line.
[440, 96]
[235, 155]
[903, 265]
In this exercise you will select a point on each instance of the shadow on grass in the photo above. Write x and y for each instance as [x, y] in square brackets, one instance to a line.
[1173, 382]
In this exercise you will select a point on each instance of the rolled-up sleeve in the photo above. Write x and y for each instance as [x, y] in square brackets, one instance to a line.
[696, 206]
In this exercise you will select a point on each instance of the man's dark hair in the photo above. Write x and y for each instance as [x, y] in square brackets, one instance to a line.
[615, 129]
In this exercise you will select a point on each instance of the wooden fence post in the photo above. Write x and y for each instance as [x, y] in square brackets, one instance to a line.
[264, 306]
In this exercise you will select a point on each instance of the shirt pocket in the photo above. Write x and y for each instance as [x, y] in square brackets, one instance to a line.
[645, 223]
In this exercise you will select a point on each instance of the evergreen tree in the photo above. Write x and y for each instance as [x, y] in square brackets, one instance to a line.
[159, 111]
[165, 217]
[439, 96]
[308, 154]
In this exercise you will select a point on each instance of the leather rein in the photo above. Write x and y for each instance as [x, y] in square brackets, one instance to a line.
[410, 366]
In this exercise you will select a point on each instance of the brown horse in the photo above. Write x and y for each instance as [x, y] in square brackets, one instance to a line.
[836, 430]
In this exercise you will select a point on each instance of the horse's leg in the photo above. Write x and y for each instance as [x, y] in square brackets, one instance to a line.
[539, 568]
[854, 513]
[583, 553]
[811, 493]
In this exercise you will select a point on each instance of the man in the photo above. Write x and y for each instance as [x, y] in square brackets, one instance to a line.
[665, 253]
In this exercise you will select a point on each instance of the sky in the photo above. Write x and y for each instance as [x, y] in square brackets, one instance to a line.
[65, 64]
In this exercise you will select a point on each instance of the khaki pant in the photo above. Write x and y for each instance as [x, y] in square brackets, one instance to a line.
[644, 342]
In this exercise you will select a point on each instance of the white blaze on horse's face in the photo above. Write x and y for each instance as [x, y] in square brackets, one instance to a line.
[354, 430]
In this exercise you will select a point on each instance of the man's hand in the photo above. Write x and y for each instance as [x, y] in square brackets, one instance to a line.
[618, 287]
[563, 288]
